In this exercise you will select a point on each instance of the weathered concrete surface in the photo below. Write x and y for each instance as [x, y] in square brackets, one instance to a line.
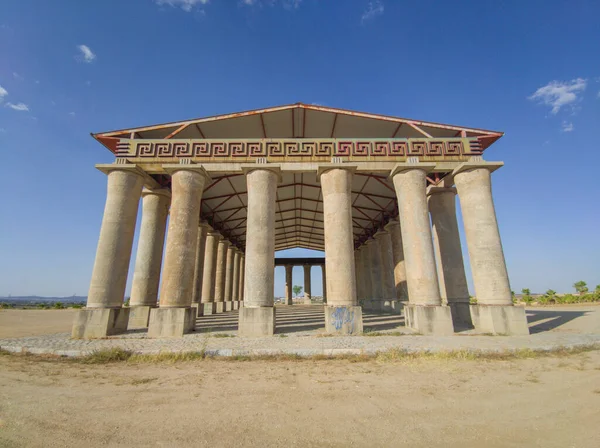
[209, 275]
[220, 273]
[502, 320]
[343, 320]
[257, 321]
[436, 320]
[146, 277]
[324, 282]
[375, 265]
[229, 277]
[258, 314]
[289, 285]
[393, 227]
[203, 229]
[171, 322]
[307, 286]
[242, 273]
[488, 267]
[235, 287]
[139, 316]
[92, 323]
[421, 275]
[109, 277]
[209, 308]
[187, 184]
[384, 240]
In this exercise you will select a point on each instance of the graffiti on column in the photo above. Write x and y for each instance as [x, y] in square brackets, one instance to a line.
[341, 316]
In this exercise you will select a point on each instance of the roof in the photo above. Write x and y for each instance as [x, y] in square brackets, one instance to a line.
[297, 121]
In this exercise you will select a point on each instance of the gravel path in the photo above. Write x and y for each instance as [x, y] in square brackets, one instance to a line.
[300, 332]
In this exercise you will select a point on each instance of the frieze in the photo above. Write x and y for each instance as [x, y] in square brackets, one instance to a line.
[301, 149]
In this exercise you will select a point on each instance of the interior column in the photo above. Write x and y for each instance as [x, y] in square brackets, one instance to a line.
[289, 285]
[307, 288]
[209, 272]
[144, 290]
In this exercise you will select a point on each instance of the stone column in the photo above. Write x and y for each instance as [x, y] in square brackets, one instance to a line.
[384, 239]
[242, 274]
[307, 288]
[324, 281]
[359, 275]
[289, 285]
[375, 274]
[257, 317]
[104, 314]
[209, 273]
[229, 278]
[366, 269]
[495, 312]
[220, 275]
[446, 243]
[176, 315]
[235, 289]
[342, 313]
[393, 227]
[144, 290]
[203, 229]
[424, 312]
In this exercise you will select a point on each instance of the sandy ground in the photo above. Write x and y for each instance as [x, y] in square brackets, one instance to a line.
[546, 402]
[21, 323]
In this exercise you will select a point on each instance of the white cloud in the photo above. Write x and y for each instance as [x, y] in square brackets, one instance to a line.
[567, 126]
[72, 114]
[374, 9]
[557, 94]
[3, 93]
[86, 53]
[287, 4]
[186, 5]
[17, 76]
[21, 107]
[2, 131]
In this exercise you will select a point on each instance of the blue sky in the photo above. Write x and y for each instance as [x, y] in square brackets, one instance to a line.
[69, 67]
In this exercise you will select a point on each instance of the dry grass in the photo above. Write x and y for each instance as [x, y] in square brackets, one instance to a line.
[117, 355]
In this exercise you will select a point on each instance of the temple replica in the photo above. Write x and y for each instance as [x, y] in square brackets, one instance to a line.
[377, 194]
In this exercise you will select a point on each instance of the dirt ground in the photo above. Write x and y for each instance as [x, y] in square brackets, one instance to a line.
[545, 402]
[22, 323]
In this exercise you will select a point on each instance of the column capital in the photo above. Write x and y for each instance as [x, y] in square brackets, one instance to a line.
[405, 166]
[247, 168]
[108, 168]
[324, 167]
[225, 242]
[467, 166]
[156, 192]
[172, 168]
[205, 224]
[380, 233]
[432, 190]
[370, 241]
[391, 223]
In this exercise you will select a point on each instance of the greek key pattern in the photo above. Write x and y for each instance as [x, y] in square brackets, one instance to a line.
[298, 148]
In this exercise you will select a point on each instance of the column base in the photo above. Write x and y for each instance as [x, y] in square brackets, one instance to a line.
[461, 314]
[199, 307]
[343, 320]
[377, 305]
[288, 302]
[397, 307]
[228, 306]
[391, 306]
[219, 307]
[139, 316]
[209, 308]
[236, 305]
[95, 323]
[256, 322]
[171, 322]
[307, 301]
[425, 319]
[366, 304]
[500, 319]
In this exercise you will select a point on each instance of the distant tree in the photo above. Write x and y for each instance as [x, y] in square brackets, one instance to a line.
[127, 301]
[59, 305]
[526, 291]
[296, 289]
[597, 289]
[550, 293]
[580, 287]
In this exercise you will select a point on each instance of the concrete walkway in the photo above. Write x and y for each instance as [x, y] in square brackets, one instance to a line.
[300, 331]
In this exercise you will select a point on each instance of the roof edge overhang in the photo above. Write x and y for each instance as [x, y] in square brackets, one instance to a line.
[110, 138]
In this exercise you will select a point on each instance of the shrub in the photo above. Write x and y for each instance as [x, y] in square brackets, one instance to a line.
[59, 306]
